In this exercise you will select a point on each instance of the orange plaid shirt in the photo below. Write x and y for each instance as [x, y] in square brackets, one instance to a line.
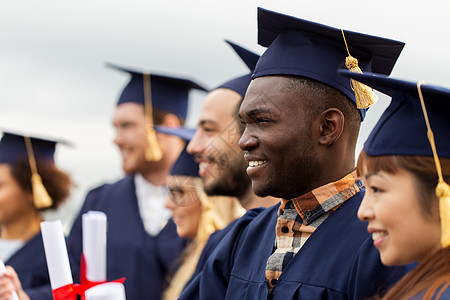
[298, 218]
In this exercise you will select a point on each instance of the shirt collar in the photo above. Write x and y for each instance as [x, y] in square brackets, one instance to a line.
[328, 197]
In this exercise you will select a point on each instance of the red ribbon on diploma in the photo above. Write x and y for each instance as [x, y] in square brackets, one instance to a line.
[80, 289]
[65, 292]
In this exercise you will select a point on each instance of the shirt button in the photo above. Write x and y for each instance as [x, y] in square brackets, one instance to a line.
[308, 214]
[284, 229]
[274, 281]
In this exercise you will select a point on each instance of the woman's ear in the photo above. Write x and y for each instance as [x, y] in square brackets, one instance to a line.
[331, 126]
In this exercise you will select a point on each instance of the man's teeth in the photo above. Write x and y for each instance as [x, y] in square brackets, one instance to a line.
[203, 165]
[378, 234]
[255, 163]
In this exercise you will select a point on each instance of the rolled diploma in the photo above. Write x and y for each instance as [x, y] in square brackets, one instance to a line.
[94, 245]
[2, 272]
[106, 291]
[56, 254]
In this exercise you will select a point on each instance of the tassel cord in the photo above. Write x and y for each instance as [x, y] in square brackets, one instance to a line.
[148, 97]
[430, 134]
[442, 188]
[30, 154]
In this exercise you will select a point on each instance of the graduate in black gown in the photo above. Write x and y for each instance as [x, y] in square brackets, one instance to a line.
[21, 244]
[142, 242]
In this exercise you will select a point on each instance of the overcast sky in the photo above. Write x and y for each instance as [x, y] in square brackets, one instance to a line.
[52, 55]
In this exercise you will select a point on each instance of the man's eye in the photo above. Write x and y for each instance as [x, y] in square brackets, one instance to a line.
[263, 120]
[208, 129]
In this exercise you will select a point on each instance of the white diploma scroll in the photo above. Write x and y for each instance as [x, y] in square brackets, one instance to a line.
[2, 272]
[94, 245]
[56, 254]
[106, 291]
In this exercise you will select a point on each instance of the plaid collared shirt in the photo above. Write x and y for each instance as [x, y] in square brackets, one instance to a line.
[299, 217]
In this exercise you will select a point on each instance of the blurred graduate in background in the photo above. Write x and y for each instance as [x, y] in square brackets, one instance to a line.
[30, 183]
[196, 214]
[142, 242]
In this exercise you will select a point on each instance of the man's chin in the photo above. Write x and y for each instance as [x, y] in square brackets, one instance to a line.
[128, 168]
[209, 186]
[215, 187]
[260, 190]
[208, 179]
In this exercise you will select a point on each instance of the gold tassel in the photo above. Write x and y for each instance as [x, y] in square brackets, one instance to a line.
[153, 151]
[442, 188]
[41, 198]
[443, 193]
[364, 94]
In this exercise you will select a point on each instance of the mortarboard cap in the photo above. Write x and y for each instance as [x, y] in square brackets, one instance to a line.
[167, 92]
[401, 130]
[14, 147]
[415, 123]
[240, 84]
[186, 164]
[308, 49]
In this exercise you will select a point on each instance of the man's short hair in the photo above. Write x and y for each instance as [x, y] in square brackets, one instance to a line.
[325, 97]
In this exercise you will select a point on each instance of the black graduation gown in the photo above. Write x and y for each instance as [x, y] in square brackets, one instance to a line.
[144, 260]
[337, 262]
[31, 266]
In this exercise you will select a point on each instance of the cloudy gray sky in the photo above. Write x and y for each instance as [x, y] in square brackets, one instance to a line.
[52, 55]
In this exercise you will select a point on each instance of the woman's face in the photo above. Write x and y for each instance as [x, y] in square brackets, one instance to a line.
[14, 202]
[184, 191]
[401, 231]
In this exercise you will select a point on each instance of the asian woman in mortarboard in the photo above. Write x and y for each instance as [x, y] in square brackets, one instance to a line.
[30, 183]
[405, 166]
[196, 215]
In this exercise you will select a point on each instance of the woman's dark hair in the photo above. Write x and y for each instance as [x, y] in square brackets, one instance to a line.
[56, 182]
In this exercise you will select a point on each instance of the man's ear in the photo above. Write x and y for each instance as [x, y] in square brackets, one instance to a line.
[331, 126]
[170, 120]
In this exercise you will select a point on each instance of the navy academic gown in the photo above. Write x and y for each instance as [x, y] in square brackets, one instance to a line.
[338, 261]
[144, 260]
[31, 266]
[216, 237]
